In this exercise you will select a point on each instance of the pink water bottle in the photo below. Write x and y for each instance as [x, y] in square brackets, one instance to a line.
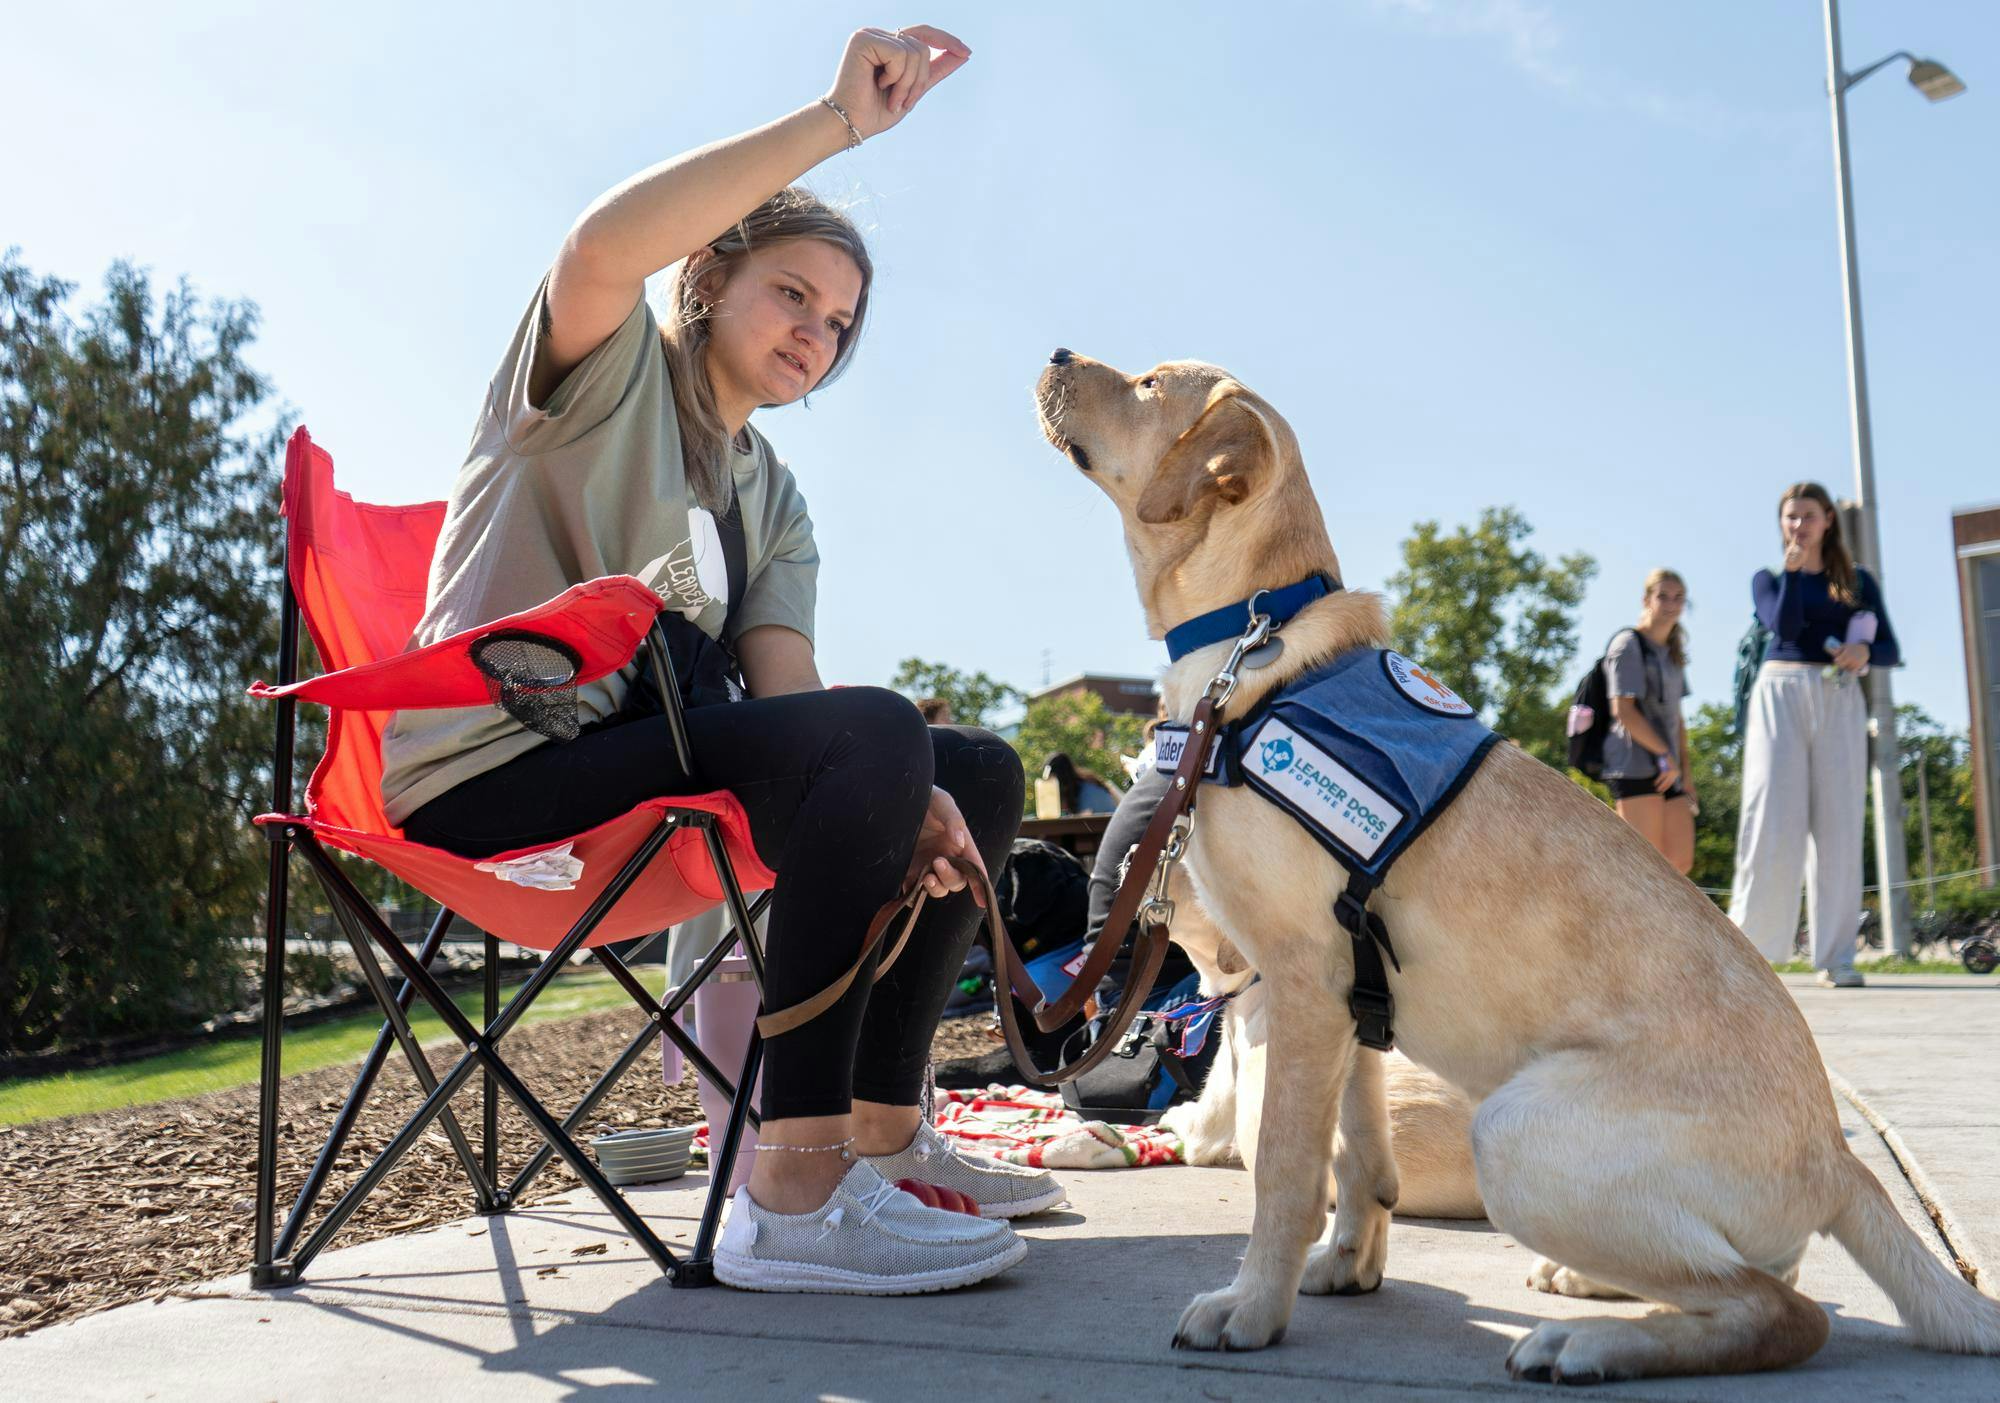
[725, 1014]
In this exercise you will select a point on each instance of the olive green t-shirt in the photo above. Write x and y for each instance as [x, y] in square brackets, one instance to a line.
[589, 484]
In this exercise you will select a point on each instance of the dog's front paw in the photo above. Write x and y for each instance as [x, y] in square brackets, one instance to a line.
[1187, 1123]
[1352, 1262]
[1559, 1280]
[1231, 1319]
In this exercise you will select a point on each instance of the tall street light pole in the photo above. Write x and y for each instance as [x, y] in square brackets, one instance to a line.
[1892, 862]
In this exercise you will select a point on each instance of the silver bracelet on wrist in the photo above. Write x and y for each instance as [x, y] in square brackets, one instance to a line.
[853, 136]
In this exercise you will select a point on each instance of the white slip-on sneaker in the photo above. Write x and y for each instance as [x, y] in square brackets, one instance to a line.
[1001, 1190]
[869, 1239]
[1849, 978]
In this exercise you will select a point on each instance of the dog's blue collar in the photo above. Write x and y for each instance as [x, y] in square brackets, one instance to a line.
[1233, 620]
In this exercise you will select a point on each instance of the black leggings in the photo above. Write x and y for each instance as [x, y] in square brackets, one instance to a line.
[835, 785]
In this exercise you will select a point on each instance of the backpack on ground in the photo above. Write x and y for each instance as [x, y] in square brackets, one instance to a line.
[1750, 650]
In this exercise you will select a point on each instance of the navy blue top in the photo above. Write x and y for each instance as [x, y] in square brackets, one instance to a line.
[1802, 615]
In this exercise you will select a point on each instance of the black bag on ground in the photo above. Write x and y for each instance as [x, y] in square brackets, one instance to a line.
[1044, 894]
[1145, 1075]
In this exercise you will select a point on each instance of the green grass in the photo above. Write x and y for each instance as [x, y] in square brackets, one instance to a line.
[1894, 964]
[234, 1061]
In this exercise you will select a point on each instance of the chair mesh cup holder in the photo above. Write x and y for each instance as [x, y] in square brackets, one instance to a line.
[532, 678]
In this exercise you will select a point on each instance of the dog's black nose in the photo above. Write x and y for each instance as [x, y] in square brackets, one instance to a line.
[1060, 356]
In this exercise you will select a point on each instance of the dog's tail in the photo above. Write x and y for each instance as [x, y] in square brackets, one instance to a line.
[1935, 1302]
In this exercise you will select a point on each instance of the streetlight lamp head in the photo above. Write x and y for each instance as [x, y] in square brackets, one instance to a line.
[1934, 80]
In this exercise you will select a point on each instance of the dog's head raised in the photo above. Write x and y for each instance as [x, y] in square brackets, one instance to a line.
[1206, 474]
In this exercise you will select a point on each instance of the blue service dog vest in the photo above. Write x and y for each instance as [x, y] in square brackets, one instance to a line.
[1364, 752]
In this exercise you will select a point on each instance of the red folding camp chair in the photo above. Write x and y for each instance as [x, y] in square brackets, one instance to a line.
[358, 573]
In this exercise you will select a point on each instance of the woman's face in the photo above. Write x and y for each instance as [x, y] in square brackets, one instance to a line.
[778, 320]
[1802, 523]
[1667, 600]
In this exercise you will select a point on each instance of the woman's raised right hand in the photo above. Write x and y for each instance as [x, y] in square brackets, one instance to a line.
[1795, 556]
[883, 75]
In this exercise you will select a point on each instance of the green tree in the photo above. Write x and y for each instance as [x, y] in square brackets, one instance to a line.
[1715, 765]
[1944, 758]
[138, 569]
[973, 695]
[1495, 620]
[1715, 757]
[1080, 725]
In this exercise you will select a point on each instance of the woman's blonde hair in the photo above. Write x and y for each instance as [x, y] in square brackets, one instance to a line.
[793, 213]
[1834, 555]
[1677, 641]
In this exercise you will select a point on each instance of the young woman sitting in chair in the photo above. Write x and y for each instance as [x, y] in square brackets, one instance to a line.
[611, 444]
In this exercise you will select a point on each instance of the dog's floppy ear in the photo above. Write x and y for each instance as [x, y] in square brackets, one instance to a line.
[1224, 453]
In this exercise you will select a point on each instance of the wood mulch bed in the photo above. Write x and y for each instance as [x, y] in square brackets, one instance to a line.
[100, 1210]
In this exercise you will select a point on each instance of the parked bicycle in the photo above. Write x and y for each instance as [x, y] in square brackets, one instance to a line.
[1947, 935]
[1974, 941]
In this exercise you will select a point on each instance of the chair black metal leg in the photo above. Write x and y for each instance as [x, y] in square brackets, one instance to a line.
[659, 1023]
[732, 891]
[357, 1094]
[676, 1000]
[489, 1095]
[662, 1020]
[699, 1269]
[392, 1154]
[634, 1050]
[479, 1047]
[483, 1188]
[265, 1270]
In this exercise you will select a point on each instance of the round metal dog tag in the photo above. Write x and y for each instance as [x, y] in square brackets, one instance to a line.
[1264, 654]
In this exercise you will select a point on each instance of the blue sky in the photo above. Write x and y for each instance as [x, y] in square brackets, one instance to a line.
[1576, 257]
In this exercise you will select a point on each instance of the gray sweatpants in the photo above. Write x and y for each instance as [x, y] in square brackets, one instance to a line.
[1805, 792]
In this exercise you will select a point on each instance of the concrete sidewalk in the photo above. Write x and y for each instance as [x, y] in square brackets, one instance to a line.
[502, 1307]
[1920, 1056]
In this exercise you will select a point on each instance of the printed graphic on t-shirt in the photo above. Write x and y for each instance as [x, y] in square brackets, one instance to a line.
[693, 574]
[1422, 688]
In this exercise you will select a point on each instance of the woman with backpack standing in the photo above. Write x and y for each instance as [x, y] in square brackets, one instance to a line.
[1645, 752]
[1805, 741]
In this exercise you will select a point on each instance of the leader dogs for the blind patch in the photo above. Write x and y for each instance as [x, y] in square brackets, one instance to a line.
[1364, 752]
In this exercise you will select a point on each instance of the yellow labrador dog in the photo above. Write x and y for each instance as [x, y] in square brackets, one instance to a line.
[1430, 1122]
[1652, 1112]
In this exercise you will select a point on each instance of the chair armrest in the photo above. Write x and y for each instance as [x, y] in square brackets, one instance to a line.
[604, 620]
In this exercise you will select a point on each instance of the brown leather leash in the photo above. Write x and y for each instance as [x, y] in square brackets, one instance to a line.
[1140, 898]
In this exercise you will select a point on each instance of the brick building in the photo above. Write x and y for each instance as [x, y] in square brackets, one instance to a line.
[1975, 534]
[1128, 696]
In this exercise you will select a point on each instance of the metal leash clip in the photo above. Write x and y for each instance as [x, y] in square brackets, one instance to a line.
[1159, 907]
[1254, 636]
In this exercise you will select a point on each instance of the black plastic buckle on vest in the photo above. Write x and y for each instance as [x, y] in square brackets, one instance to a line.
[1371, 1003]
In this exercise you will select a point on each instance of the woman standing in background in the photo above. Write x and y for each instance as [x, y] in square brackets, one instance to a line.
[1805, 741]
[1645, 753]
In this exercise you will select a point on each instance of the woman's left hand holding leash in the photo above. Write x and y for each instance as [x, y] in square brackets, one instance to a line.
[942, 836]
